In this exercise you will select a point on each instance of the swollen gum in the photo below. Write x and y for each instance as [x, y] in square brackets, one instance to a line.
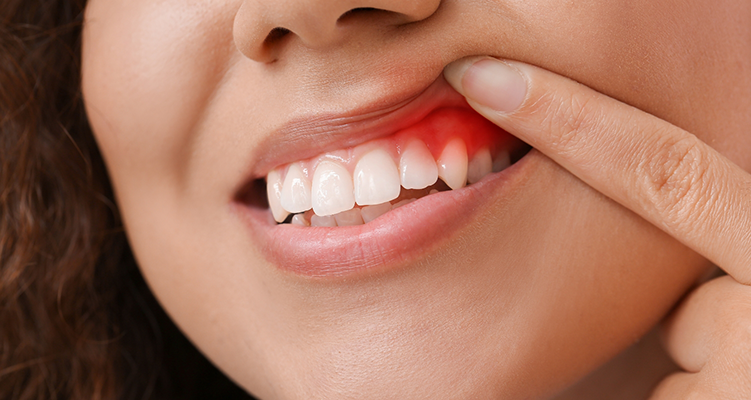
[435, 130]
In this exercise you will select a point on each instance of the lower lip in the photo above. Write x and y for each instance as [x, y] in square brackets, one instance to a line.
[389, 242]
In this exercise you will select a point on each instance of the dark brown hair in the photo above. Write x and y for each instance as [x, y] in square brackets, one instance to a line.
[76, 319]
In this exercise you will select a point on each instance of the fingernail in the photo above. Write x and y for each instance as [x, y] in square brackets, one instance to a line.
[489, 82]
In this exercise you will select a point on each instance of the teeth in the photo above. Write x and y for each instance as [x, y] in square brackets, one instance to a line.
[296, 190]
[317, 220]
[481, 165]
[274, 193]
[299, 219]
[332, 189]
[370, 213]
[417, 166]
[452, 164]
[328, 197]
[502, 161]
[349, 218]
[376, 179]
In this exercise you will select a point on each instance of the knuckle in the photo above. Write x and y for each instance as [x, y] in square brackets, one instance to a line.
[675, 176]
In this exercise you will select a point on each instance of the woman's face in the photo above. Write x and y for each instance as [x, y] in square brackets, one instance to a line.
[515, 286]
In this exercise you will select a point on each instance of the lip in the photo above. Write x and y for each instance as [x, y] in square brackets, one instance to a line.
[311, 135]
[395, 238]
[392, 240]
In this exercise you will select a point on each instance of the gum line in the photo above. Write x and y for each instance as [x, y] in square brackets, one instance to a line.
[437, 129]
[458, 140]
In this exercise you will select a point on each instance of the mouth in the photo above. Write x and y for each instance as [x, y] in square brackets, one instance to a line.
[368, 193]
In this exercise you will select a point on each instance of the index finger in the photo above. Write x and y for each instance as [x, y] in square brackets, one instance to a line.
[663, 173]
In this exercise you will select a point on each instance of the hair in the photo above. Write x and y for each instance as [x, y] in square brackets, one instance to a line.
[77, 320]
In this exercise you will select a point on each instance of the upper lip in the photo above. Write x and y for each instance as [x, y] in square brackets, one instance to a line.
[311, 135]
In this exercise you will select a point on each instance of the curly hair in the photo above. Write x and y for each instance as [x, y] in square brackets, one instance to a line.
[77, 320]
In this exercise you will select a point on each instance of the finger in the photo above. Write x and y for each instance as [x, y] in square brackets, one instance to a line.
[659, 171]
[713, 383]
[711, 332]
[676, 386]
[697, 328]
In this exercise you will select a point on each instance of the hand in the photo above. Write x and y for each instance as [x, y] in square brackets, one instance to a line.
[663, 173]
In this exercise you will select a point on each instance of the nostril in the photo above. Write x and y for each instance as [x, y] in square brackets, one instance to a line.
[262, 30]
[275, 35]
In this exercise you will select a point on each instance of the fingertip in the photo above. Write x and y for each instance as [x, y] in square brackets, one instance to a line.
[489, 82]
[454, 72]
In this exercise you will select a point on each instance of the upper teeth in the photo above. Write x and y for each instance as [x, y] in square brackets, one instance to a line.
[376, 179]
[452, 164]
[332, 189]
[418, 169]
[274, 192]
[480, 165]
[296, 190]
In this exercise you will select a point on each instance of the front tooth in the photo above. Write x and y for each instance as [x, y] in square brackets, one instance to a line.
[452, 164]
[502, 161]
[370, 213]
[274, 193]
[376, 179]
[332, 189]
[417, 166]
[296, 190]
[480, 165]
[317, 220]
[349, 218]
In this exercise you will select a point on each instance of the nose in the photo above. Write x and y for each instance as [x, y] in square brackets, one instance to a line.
[261, 26]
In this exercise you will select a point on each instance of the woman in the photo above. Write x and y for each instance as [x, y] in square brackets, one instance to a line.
[214, 119]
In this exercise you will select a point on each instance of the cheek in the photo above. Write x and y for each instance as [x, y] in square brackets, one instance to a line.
[671, 59]
[149, 69]
[150, 72]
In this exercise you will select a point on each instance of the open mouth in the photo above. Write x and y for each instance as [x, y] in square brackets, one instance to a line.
[447, 150]
[384, 200]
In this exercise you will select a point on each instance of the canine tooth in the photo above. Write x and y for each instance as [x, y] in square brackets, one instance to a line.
[502, 161]
[452, 164]
[332, 189]
[349, 217]
[370, 213]
[318, 220]
[480, 165]
[417, 166]
[299, 219]
[274, 193]
[433, 191]
[376, 179]
[296, 190]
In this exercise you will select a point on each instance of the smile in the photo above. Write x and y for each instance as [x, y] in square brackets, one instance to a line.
[357, 185]
[384, 200]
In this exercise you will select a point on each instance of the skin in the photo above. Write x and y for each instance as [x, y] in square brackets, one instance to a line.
[661, 172]
[541, 287]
